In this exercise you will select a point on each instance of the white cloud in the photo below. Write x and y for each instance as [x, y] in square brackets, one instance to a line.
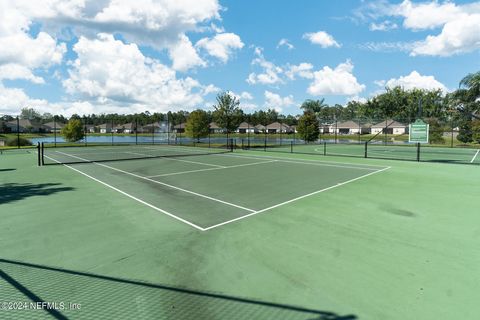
[321, 38]
[459, 36]
[13, 99]
[427, 15]
[275, 101]
[383, 26]
[108, 71]
[13, 71]
[414, 80]
[184, 56]
[460, 25]
[244, 95]
[285, 43]
[271, 74]
[303, 70]
[387, 46]
[161, 24]
[338, 81]
[21, 53]
[221, 46]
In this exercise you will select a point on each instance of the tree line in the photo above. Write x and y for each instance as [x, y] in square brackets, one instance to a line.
[460, 108]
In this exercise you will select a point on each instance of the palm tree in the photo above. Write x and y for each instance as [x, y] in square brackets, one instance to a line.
[468, 95]
[314, 106]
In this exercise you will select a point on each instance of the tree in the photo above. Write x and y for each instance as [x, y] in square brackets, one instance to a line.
[314, 106]
[476, 131]
[30, 114]
[197, 125]
[227, 114]
[73, 130]
[435, 134]
[308, 128]
[465, 133]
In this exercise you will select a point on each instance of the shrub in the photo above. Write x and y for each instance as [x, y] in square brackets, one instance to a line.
[13, 142]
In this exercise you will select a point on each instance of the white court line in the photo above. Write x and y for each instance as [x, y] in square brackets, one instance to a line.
[164, 184]
[132, 197]
[209, 169]
[313, 162]
[476, 154]
[295, 199]
[181, 160]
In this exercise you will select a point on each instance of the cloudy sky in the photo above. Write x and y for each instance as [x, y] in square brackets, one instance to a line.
[82, 56]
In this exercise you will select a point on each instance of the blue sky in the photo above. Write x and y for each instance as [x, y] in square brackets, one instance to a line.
[158, 55]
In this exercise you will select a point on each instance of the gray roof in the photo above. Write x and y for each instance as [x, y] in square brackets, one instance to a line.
[180, 126]
[278, 126]
[53, 125]
[245, 125]
[348, 125]
[213, 125]
[260, 127]
[390, 124]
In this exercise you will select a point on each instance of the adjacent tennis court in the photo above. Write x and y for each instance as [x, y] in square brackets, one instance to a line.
[385, 151]
[205, 187]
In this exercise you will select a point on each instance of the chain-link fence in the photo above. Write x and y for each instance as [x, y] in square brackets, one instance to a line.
[450, 140]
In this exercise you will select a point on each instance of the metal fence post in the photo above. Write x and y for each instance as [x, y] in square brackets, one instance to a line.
[18, 133]
[324, 148]
[291, 146]
[418, 151]
[38, 154]
[54, 131]
[366, 148]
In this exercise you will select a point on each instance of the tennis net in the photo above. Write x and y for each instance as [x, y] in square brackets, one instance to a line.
[49, 154]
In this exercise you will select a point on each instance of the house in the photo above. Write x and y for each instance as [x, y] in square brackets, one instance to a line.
[347, 127]
[389, 127]
[179, 128]
[105, 128]
[277, 127]
[156, 127]
[214, 128]
[2, 143]
[260, 128]
[24, 125]
[125, 128]
[90, 128]
[129, 127]
[366, 128]
[245, 127]
[294, 128]
[53, 126]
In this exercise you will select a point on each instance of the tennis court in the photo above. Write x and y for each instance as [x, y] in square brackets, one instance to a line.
[386, 151]
[202, 187]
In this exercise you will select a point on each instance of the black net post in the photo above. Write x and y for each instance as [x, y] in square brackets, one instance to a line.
[85, 130]
[336, 129]
[54, 132]
[18, 133]
[418, 151]
[451, 138]
[136, 131]
[324, 148]
[42, 147]
[366, 149]
[291, 146]
[39, 155]
[111, 130]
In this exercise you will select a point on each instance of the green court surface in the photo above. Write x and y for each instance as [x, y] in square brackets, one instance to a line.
[242, 235]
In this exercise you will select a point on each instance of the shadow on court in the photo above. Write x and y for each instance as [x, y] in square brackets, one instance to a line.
[10, 192]
[10, 169]
[103, 297]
